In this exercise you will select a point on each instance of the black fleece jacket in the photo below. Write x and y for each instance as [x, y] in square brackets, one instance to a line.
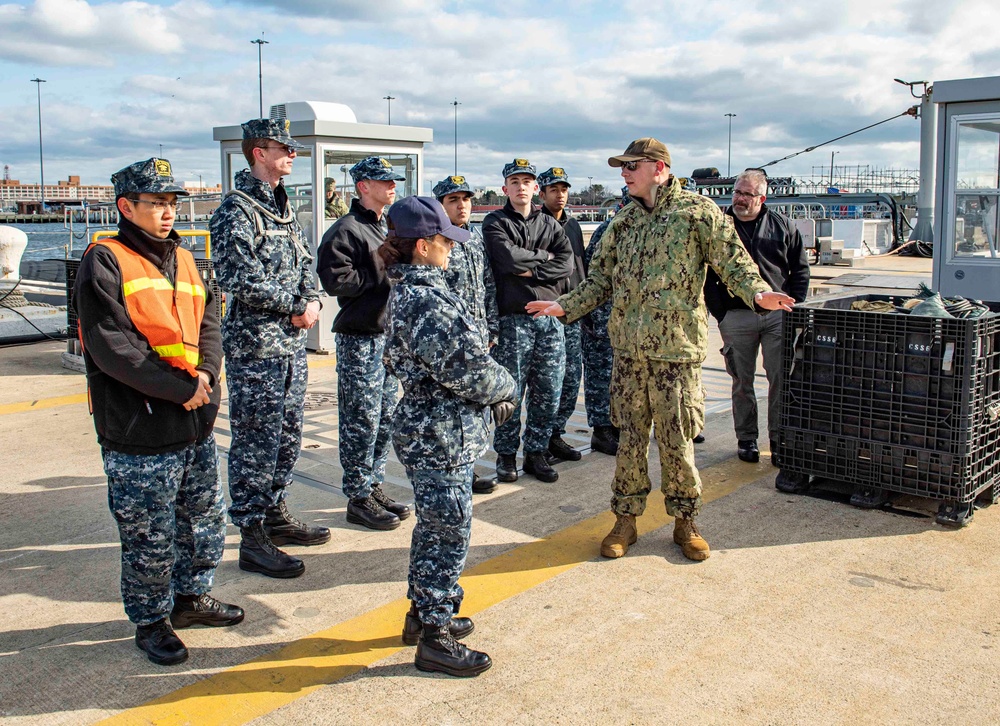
[575, 234]
[348, 268]
[516, 245]
[137, 398]
[780, 255]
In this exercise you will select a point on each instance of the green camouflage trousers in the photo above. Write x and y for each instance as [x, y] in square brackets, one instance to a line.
[668, 397]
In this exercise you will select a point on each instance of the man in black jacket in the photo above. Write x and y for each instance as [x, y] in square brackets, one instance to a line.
[152, 347]
[553, 190]
[532, 259]
[366, 394]
[776, 246]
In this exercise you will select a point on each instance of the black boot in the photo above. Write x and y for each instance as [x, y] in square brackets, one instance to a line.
[160, 644]
[559, 449]
[369, 513]
[791, 483]
[458, 627]
[700, 438]
[747, 450]
[536, 465]
[282, 528]
[604, 440]
[391, 505]
[203, 610]
[258, 554]
[483, 486]
[439, 652]
[775, 456]
[507, 467]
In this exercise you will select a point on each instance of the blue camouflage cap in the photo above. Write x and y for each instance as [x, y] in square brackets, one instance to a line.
[276, 129]
[555, 175]
[519, 166]
[152, 176]
[375, 168]
[451, 185]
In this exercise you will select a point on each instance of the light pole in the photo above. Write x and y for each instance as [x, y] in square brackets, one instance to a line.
[201, 186]
[590, 179]
[729, 154]
[260, 73]
[388, 100]
[456, 104]
[832, 154]
[41, 159]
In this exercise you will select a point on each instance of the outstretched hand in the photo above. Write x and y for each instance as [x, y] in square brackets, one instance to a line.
[539, 308]
[774, 301]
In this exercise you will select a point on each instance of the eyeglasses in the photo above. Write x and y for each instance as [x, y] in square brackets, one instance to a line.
[157, 204]
[745, 195]
[633, 165]
[289, 151]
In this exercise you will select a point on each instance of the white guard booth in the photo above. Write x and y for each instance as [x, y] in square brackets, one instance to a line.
[966, 223]
[335, 141]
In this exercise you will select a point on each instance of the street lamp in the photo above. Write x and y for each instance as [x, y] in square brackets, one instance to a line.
[260, 73]
[389, 100]
[832, 153]
[456, 104]
[591, 180]
[41, 160]
[729, 155]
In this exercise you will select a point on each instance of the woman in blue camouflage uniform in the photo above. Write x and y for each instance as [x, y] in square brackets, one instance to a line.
[438, 352]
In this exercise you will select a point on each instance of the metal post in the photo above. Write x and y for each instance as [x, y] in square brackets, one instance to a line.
[592, 198]
[456, 104]
[389, 100]
[832, 153]
[260, 73]
[41, 159]
[923, 230]
[729, 153]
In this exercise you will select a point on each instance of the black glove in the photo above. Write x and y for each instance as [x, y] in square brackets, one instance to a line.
[502, 411]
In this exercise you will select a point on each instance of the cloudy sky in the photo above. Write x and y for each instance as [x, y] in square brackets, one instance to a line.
[563, 83]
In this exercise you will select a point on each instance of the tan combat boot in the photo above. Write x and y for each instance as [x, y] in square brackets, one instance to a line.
[621, 536]
[686, 534]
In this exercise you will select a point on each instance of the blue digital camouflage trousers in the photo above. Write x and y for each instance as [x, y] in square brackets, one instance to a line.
[443, 502]
[597, 360]
[533, 350]
[172, 524]
[366, 401]
[573, 372]
[266, 399]
[668, 397]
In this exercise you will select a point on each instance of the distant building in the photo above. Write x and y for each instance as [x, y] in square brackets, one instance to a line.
[70, 191]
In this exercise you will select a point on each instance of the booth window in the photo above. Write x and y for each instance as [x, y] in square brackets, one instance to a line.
[977, 187]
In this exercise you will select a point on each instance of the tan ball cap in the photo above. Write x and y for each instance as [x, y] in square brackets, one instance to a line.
[647, 148]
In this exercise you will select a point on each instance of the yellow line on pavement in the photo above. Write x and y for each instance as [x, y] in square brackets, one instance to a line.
[253, 689]
[55, 401]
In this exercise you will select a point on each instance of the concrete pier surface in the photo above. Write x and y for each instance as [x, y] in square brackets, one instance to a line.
[808, 612]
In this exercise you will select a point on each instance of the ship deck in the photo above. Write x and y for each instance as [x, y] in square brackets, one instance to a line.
[809, 611]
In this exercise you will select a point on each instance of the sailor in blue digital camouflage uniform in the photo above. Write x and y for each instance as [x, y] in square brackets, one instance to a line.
[553, 190]
[149, 326]
[263, 263]
[469, 274]
[366, 396]
[437, 350]
[598, 356]
[532, 260]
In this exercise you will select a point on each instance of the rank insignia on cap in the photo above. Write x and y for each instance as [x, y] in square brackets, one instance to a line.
[558, 171]
[386, 163]
[459, 180]
[522, 162]
[162, 167]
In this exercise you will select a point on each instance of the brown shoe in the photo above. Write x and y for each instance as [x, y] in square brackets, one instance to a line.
[621, 536]
[686, 534]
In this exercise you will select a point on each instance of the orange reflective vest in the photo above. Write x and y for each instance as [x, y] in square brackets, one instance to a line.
[168, 316]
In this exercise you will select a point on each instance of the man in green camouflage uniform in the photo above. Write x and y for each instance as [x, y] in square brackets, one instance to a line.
[652, 265]
[336, 207]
